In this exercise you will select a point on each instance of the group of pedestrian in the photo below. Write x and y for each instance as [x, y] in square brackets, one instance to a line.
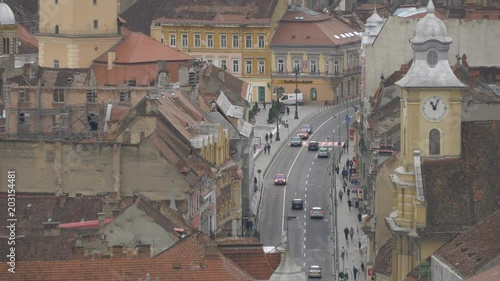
[267, 148]
[269, 137]
[345, 147]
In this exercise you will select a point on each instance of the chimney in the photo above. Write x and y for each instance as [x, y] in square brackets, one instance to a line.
[497, 79]
[51, 228]
[62, 200]
[473, 75]
[143, 251]
[101, 217]
[111, 59]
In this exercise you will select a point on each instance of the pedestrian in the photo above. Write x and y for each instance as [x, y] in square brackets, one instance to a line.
[271, 137]
[347, 148]
[337, 170]
[349, 203]
[268, 149]
[343, 147]
[287, 111]
[355, 272]
[248, 225]
[340, 195]
[362, 267]
[267, 137]
[346, 232]
[359, 217]
[251, 225]
[348, 193]
[351, 232]
[344, 185]
[359, 245]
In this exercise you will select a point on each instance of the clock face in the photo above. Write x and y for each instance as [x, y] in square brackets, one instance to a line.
[434, 108]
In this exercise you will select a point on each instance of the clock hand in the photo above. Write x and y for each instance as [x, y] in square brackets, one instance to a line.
[433, 106]
[436, 104]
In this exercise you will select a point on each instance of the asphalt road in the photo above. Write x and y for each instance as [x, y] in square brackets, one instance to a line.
[308, 179]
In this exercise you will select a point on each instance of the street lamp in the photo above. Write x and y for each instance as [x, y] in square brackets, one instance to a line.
[296, 70]
[277, 114]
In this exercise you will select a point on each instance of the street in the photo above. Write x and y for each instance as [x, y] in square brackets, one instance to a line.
[308, 178]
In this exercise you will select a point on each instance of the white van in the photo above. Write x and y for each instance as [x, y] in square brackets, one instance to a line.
[289, 99]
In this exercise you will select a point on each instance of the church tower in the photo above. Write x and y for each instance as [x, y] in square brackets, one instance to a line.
[73, 33]
[430, 95]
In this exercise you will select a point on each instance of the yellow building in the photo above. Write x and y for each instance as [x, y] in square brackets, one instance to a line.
[430, 130]
[73, 33]
[325, 51]
[235, 38]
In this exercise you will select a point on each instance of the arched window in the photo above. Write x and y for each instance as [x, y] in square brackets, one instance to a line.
[56, 30]
[314, 94]
[434, 142]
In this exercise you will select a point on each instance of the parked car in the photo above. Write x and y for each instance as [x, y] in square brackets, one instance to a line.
[297, 204]
[313, 145]
[280, 179]
[296, 141]
[323, 152]
[316, 212]
[314, 271]
[303, 134]
[307, 127]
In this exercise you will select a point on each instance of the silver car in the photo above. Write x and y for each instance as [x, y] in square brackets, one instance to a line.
[316, 212]
[314, 271]
[323, 152]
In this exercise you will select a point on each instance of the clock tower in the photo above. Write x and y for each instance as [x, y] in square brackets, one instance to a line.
[431, 95]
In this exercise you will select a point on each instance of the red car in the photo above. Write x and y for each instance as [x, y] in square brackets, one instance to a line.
[303, 134]
[280, 179]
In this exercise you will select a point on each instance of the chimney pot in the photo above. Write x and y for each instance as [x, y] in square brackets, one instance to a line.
[101, 217]
[111, 59]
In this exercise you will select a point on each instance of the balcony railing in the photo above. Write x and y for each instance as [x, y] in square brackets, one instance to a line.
[308, 74]
[77, 32]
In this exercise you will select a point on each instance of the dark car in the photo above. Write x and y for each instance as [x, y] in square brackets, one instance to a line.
[297, 204]
[303, 134]
[308, 128]
[296, 141]
[313, 145]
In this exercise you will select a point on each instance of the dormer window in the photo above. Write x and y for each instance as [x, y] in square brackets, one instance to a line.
[432, 58]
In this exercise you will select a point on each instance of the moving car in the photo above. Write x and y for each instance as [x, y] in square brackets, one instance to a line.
[297, 204]
[291, 99]
[314, 271]
[313, 145]
[323, 152]
[307, 127]
[303, 134]
[316, 212]
[280, 179]
[296, 141]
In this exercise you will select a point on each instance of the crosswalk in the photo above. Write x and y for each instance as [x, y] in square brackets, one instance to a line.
[325, 144]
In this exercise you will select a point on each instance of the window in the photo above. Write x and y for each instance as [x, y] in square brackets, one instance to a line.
[22, 118]
[23, 96]
[262, 41]
[312, 67]
[236, 41]
[56, 2]
[223, 64]
[434, 142]
[6, 45]
[58, 95]
[96, 24]
[172, 40]
[262, 66]
[125, 97]
[248, 66]
[197, 40]
[223, 40]
[336, 66]
[327, 66]
[56, 29]
[296, 64]
[210, 40]
[184, 40]
[281, 65]
[162, 40]
[248, 41]
[236, 66]
[91, 96]
[95, 2]
[56, 63]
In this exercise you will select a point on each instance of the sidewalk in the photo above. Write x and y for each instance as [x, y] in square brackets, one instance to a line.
[346, 218]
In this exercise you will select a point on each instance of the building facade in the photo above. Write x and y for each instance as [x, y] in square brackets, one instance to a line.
[326, 56]
[72, 34]
[235, 38]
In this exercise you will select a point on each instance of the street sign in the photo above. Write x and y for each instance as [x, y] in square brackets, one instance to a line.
[347, 119]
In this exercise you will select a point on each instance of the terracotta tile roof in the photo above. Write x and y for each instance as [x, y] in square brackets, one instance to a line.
[383, 260]
[460, 192]
[471, 251]
[320, 30]
[29, 43]
[33, 211]
[487, 275]
[250, 256]
[193, 258]
[215, 79]
[136, 47]
[168, 219]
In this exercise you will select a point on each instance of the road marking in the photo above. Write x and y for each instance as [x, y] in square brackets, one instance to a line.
[307, 177]
[305, 196]
[310, 169]
[306, 188]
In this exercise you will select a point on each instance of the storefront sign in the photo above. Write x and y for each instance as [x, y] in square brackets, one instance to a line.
[298, 82]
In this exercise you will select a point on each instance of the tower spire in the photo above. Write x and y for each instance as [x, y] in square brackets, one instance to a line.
[430, 7]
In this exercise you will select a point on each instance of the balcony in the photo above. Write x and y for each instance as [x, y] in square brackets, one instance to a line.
[76, 32]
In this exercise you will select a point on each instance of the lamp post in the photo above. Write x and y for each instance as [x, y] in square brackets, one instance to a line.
[296, 70]
[347, 120]
[277, 114]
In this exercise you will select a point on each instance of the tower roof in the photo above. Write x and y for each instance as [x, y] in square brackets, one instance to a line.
[6, 15]
[374, 18]
[430, 28]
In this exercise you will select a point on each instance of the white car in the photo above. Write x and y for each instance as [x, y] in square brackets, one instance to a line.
[316, 212]
[314, 271]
